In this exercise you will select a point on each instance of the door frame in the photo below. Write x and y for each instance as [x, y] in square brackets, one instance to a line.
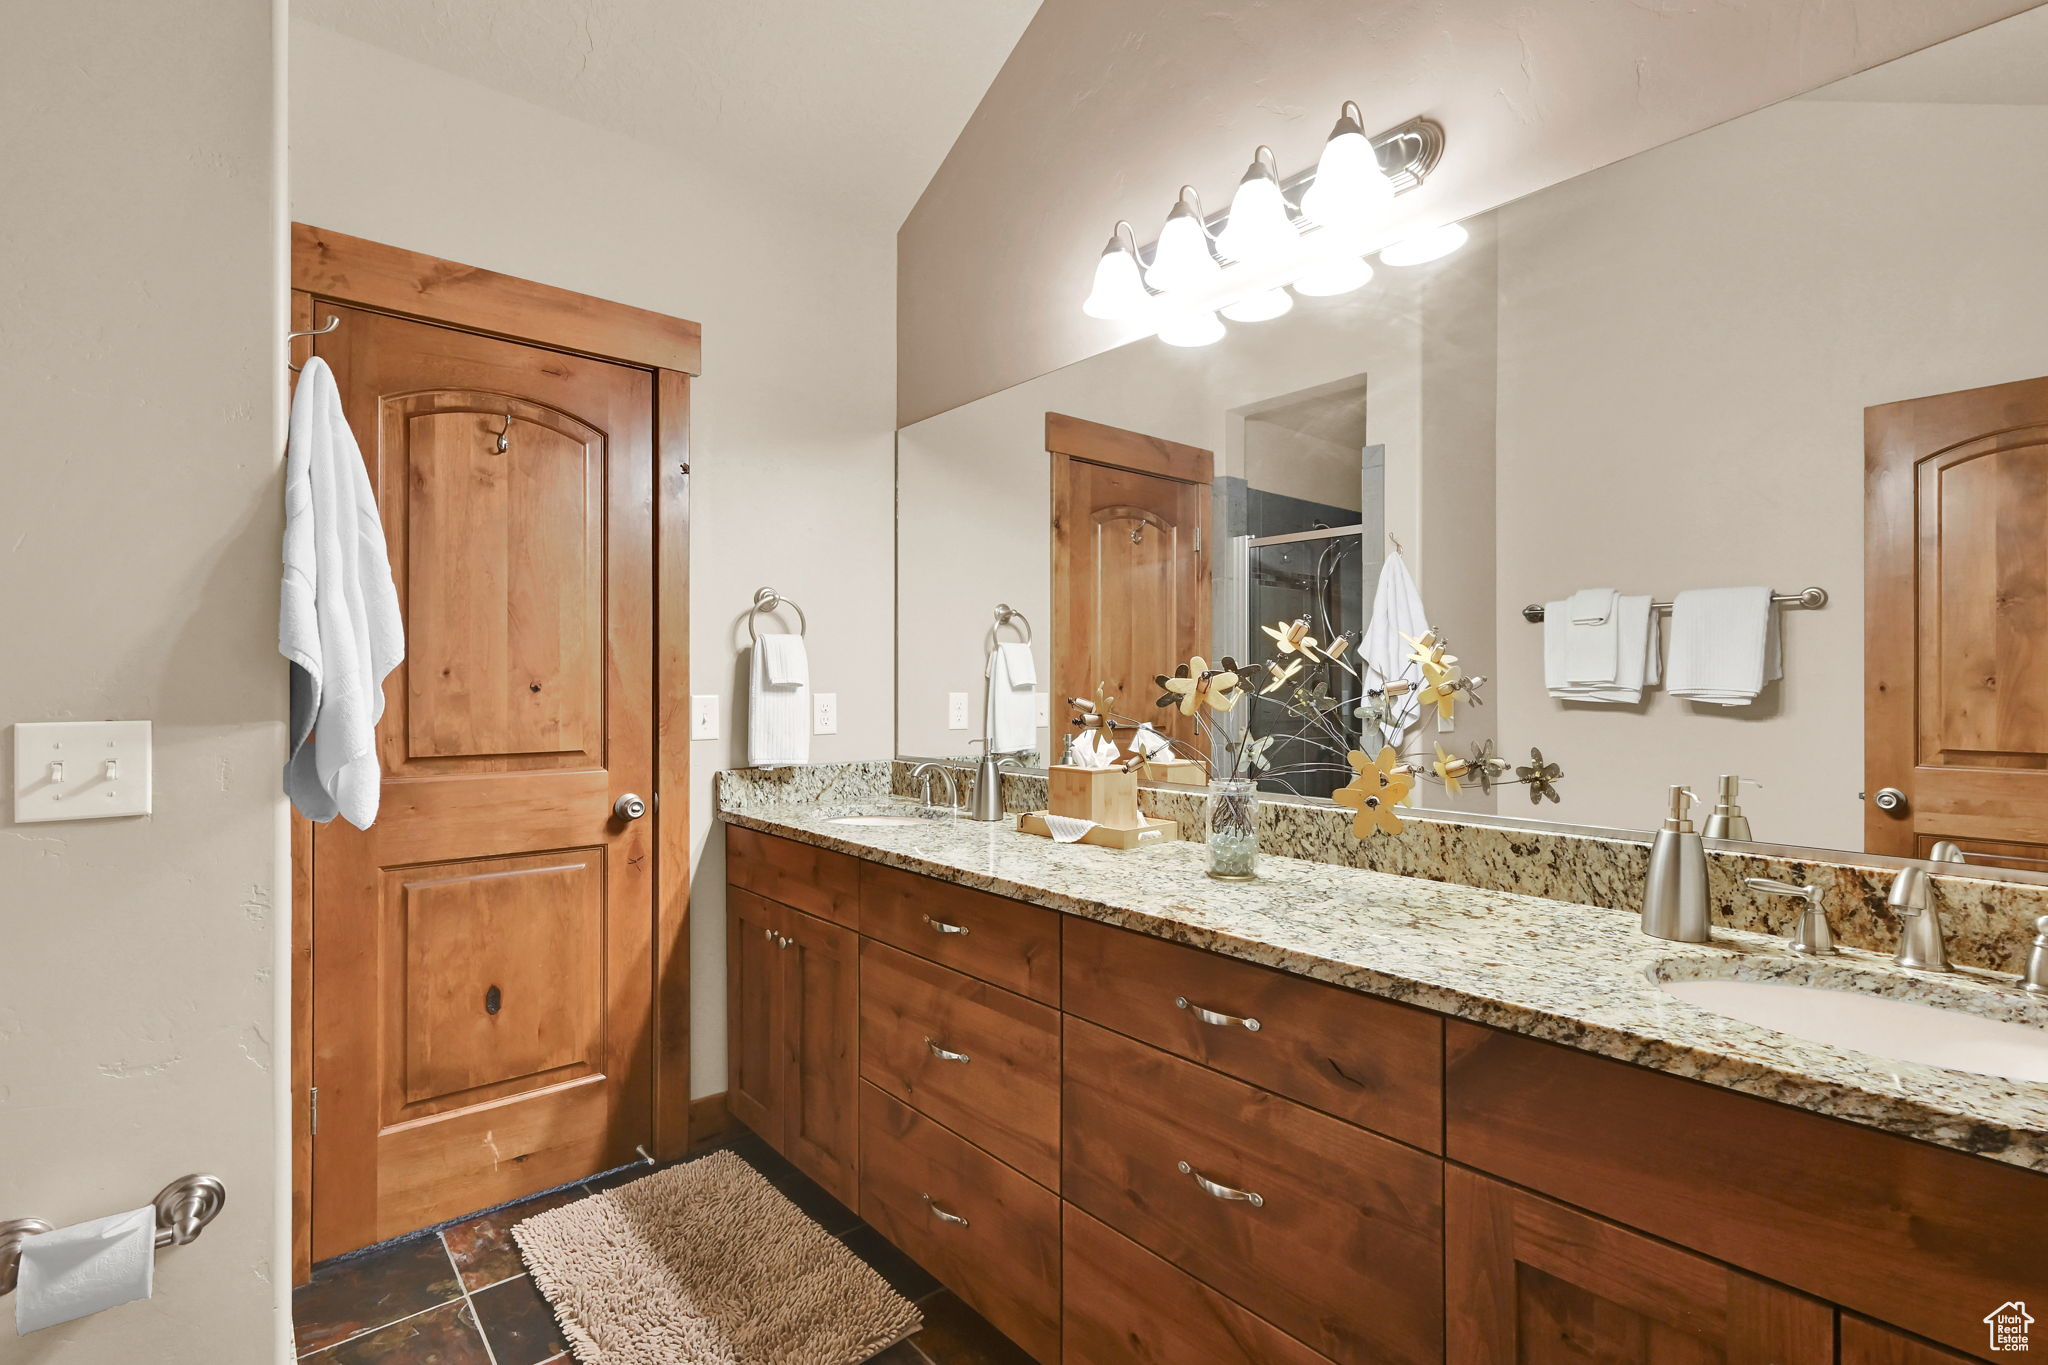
[333, 267]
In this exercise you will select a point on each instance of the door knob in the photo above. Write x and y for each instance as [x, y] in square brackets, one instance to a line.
[629, 807]
[1890, 800]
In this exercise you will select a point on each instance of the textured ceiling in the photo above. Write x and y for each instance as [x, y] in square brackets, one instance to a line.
[856, 98]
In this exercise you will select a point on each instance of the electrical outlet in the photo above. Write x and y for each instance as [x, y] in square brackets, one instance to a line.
[1043, 702]
[956, 710]
[704, 717]
[824, 713]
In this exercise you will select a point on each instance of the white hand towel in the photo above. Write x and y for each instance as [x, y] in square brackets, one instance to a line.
[789, 664]
[1592, 652]
[1724, 645]
[1396, 611]
[1150, 744]
[338, 620]
[778, 714]
[1012, 699]
[1639, 663]
[1067, 828]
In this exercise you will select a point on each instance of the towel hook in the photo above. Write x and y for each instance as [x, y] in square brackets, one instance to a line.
[767, 599]
[1396, 544]
[289, 337]
[1007, 615]
[505, 436]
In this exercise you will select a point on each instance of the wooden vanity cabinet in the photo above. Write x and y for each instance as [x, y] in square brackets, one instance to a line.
[1870, 1343]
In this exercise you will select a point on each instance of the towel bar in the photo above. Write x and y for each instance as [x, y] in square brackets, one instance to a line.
[1810, 598]
[183, 1209]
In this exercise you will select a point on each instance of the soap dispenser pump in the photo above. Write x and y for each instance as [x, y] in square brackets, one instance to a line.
[1675, 893]
[1728, 821]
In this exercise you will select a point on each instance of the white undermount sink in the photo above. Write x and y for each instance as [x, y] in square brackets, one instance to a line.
[1902, 1030]
[874, 820]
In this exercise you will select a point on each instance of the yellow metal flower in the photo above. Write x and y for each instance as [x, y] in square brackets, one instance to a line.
[1451, 769]
[1292, 637]
[1437, 665]
[1194, 682]
[1442, 691]
[1380, 784]
[1280, 676]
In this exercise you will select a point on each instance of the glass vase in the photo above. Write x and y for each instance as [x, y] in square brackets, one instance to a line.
[1234, 830]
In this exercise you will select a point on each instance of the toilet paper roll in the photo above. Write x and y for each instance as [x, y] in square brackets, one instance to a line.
[85, 1268]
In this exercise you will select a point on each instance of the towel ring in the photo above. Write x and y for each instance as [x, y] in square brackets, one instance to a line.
[767, 599]
[1007, 615]
[289, 337]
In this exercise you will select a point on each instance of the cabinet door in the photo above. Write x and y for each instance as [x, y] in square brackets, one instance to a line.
[1536, 1283]
[1869, 1343]
[754, 930]
[820, 1016]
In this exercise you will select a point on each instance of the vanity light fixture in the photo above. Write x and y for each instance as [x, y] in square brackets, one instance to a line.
[1431, 244]
[1309, 233]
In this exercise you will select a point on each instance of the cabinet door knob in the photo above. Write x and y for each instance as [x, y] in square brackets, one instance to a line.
[944, 927]
[1213, 1018]
[944, 1215]
[943, 1054]
[1216, 1191]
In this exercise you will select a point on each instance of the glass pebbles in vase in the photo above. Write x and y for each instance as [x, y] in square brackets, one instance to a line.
[1234, 830]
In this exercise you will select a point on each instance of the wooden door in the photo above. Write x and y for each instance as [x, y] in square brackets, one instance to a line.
[1956, 633]
[1130, 563]
[1869, 1343]
[820, 1021]
[755, 1047]
[483, 972]
[1531, 1282]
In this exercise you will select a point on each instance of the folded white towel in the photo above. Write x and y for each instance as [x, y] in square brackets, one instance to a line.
[1638, 661]
[1396, 611]
[1012, 719]
[789, 664]
[1724, 645]
[1592, 641]
[338, 620]
[1067, 828]
[778, 714]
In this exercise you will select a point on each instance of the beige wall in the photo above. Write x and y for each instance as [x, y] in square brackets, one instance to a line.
[1688, 341]
[792, 444]
[1107, 106]
[141, 359]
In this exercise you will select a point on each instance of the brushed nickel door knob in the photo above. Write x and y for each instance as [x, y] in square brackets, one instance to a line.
[629, 807]
[1890, 800]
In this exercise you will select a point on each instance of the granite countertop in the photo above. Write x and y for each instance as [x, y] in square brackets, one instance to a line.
[1578, 975]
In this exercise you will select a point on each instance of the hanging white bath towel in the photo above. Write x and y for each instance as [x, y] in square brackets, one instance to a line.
[1396, 611]
[1012, 720]
[778, 702]
[338, 619]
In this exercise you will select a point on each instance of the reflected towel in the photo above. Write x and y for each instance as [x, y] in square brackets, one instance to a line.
[1012, 720]
[1396, 611]
[1592, 640]
[1638, 662]
[1724, 645]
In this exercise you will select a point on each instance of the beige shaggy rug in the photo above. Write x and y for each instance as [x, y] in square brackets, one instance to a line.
[706, 1263]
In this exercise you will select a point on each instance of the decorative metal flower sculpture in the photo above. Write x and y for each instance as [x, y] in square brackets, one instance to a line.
[1194, 682]
[1542, 778]
[1280, 674]
[1292, 637]
[1451, 770]
[1255, 753]
[1378, 785]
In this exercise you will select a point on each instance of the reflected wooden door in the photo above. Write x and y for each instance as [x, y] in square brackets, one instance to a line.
[1956, 633]
[1130, 565]
[483, 981]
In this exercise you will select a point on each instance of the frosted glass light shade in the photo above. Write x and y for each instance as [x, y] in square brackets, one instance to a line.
[1181, 260]
[1259, 233]
[1260, 307]
[1119, 292]
[1350, 192]
[1432, 244]
[1195, 328]
[1331, 278]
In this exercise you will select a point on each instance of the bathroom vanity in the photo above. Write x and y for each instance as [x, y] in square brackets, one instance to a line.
[1131, 1114]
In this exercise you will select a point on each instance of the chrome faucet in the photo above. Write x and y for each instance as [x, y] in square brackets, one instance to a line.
[922, 775]
[1809, 932]
[1922, 945]
[2036, 979]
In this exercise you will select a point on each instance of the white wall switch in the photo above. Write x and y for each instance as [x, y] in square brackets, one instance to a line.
[704, 717]
[824, 713]
[81, 770]
[956, 710]
[1043, 700]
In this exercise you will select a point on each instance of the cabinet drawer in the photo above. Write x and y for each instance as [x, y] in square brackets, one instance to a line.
[1000, 1085]
[814, 879]
[1366, 1060]
[1017, 946]
[1003, 1258]
[1125, 1306]
[1344, 1248]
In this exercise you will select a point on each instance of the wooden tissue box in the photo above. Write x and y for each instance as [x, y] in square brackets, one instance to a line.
[1184, 771]
[1108, 796]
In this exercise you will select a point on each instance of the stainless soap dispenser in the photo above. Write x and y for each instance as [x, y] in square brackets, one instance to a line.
[1675, 894]
[1728, 821]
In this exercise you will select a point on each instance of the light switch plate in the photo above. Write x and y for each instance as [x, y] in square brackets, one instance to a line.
[956, 710]
[704, 717]
[81, 770]
[824, 713]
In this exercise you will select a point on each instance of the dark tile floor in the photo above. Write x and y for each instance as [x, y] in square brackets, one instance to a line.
[459, 1295]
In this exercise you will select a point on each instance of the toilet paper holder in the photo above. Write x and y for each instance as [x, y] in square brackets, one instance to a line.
[183, 1209]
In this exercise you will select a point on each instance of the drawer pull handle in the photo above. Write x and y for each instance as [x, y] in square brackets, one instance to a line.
[942, 1054]
[944, 927]
[1213, 1018]
[1216, 1191]
[944, 1215]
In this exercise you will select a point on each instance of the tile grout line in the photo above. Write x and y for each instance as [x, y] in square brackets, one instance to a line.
[476, 1319]
[357, 1336]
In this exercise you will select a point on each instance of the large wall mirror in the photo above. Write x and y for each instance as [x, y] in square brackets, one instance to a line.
[1806, 348]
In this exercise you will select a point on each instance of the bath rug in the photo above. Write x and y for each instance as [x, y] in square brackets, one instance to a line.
[707, 1263]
